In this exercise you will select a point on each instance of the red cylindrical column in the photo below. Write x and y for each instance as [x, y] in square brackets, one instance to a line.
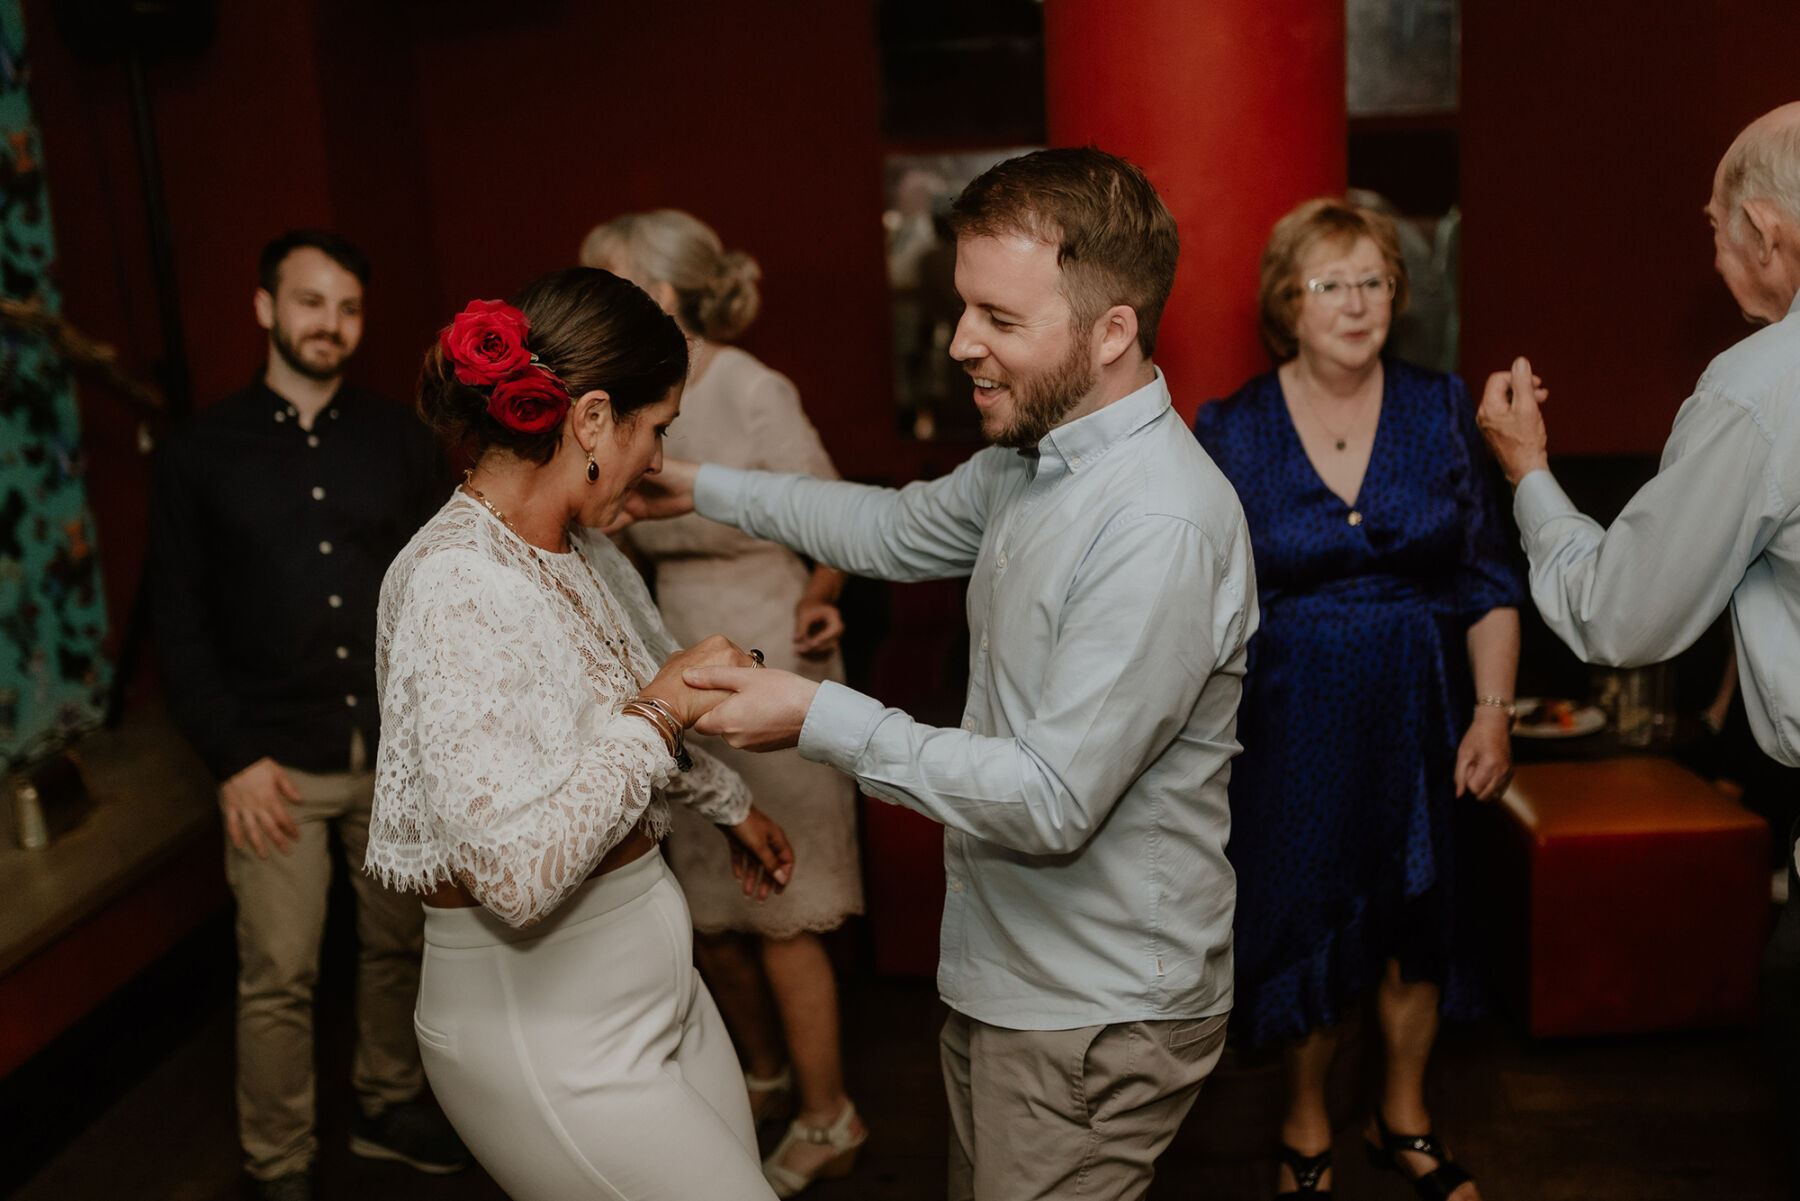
[1235, 109]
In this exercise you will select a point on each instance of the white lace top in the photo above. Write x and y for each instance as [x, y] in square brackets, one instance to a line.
[505, 764]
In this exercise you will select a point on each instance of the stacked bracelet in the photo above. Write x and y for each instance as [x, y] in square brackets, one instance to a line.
[661, 715]
[1498, 702]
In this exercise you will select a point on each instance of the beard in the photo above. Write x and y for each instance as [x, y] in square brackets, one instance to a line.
[1042, 400]
[321, 370]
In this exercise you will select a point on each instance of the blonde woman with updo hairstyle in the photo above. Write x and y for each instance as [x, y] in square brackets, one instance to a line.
[1378, 695]
[765, 960]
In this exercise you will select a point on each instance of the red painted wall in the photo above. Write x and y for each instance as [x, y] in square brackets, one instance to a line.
[1589, 137]
[1235, 110]
[469, 151]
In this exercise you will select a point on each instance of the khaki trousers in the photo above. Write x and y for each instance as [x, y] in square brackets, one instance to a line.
[1069, 1113]
[280, 923]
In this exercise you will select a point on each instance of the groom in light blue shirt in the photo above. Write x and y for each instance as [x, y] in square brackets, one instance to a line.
[1086, 942]
[1719, 524]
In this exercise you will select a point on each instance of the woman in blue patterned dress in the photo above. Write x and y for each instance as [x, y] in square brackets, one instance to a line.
[1379, 687]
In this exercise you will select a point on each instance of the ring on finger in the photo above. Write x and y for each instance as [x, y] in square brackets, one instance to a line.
[757, 655]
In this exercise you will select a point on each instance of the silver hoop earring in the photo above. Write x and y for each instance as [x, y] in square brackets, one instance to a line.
[593, 471]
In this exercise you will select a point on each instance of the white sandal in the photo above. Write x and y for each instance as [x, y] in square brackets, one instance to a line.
[786, 1181]
[771, 1097]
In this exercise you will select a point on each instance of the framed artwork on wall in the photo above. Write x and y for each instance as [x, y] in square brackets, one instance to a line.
[929, 388]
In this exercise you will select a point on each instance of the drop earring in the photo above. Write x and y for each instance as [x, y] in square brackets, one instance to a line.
[593, 471]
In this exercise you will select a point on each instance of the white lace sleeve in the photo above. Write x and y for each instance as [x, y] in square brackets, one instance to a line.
[711, 789]
[523, 774]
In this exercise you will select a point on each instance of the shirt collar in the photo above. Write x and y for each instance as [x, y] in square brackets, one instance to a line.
[1081, 442]
[1794, 304]
[279, 404]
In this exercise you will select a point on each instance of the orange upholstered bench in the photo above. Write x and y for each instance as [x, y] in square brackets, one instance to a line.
[1645, 898]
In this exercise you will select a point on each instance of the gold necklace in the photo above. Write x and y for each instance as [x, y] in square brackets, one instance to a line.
[568, 593]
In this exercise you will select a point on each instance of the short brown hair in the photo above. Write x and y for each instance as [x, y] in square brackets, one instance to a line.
[594, 331]
[1115, 239]
[338, 249]
[1325, 218]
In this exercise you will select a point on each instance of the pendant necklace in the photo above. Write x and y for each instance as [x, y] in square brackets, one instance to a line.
[1340, 441]
[1354, 517]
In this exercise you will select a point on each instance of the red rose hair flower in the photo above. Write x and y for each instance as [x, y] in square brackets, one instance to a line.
[486, 343]
[531, 403]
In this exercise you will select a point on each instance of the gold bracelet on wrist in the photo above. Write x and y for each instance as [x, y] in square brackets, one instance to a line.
[652, 718]
[661, 715]
[1501, 703]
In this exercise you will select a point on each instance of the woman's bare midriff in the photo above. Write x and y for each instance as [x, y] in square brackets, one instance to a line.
[636, 845]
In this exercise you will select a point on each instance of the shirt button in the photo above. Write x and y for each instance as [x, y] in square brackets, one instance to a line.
[281, 416]
[350, 702]
[343, 652]
[1000, 562]
[335, 601]
[312, 439]
[984, 644]
[324, 548]
[956, 886]
[1075, 462]
[318, 494]
[969, 724]
[1355, 518]
[332, 414]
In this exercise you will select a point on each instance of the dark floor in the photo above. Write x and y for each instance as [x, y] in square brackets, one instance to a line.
[136, 1103]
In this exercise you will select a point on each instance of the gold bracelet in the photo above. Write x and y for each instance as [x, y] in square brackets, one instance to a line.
[669, 732]
[1498, 702]
[661, 715]
[645, 713]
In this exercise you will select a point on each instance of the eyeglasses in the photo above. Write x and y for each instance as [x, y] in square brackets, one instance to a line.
[1336, 293]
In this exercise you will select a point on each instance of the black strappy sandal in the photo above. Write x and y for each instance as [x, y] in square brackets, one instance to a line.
[1435, 1185]
[1307, 1170]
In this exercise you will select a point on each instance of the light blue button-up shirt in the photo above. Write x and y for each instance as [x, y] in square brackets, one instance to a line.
[1719, 524]
[1111, 595]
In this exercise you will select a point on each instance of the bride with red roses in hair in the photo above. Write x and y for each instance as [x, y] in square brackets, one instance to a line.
[531, 746]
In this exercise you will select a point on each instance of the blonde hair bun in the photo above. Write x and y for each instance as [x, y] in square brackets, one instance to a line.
[715, 291]
[733, 301]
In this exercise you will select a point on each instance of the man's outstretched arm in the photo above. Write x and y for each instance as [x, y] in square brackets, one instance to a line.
[1648, 586]
[927, 530]
[1124, 676]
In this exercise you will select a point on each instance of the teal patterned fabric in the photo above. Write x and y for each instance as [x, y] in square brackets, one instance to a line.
[53, 675]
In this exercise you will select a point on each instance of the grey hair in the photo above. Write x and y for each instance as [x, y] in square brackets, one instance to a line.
[1763, 164]
[715, 289]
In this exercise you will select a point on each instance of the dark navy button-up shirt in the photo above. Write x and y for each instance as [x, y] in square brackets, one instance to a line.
[268, 544]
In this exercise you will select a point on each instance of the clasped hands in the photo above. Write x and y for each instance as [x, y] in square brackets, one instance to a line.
[716, 688]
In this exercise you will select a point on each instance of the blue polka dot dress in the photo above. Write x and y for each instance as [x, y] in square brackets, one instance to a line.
[1358, 691]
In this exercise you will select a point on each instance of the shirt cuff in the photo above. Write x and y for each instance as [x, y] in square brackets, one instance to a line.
[838, 726]
[226, 756]
[719, 492]
[1538, 499]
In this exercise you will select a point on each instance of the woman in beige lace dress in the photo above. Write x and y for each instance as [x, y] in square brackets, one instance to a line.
[713, 579]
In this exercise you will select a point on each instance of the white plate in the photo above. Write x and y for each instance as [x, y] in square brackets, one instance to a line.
[1587, 720]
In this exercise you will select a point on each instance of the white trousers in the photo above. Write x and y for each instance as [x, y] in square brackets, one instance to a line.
[583, 1057]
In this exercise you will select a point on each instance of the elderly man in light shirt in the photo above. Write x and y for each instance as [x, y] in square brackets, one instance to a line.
[1720, 523]
[1086, 941]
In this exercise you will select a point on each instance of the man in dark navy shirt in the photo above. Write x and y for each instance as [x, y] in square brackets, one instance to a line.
[276, 513]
